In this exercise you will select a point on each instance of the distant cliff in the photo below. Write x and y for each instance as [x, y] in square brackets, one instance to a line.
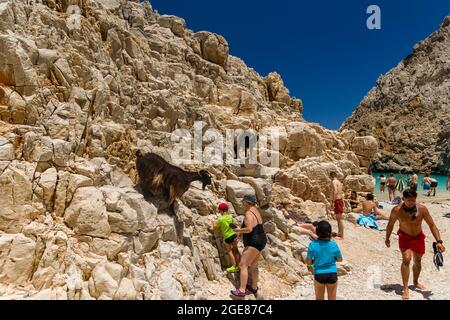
[408, 110]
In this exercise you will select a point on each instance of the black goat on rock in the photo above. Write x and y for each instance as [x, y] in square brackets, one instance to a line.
[157, 176]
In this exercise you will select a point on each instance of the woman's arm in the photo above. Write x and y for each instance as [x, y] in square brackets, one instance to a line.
[247, 222]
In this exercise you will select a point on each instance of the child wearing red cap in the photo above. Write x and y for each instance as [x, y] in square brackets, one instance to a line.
[225, 224]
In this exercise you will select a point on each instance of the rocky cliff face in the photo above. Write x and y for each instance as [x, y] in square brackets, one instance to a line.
[408, 111]
[85, 83]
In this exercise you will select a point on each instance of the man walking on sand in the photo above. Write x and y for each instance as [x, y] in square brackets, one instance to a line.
[337, 202]
[411, 238]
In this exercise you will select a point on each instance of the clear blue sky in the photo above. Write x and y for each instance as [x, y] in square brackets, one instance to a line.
[322, 49]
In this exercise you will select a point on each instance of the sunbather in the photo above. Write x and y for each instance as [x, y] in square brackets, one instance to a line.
[369, 208]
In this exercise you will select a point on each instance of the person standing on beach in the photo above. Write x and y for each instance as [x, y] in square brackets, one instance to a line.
[411, 238]
[433, 186]
[448, 181]
[337, 202]
[391, 187]
[382, 183]
[426, 182]
[414, 181]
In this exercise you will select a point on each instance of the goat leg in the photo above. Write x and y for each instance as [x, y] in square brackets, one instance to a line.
[146, 192]
[172, 195]
[172, 208]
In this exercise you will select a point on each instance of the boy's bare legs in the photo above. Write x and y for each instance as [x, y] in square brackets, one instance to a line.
[229, 250]
[319, 290]
[236, 253]
[332, 291]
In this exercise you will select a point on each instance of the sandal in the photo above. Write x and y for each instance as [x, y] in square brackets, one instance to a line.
[250, 290]
[237, 293]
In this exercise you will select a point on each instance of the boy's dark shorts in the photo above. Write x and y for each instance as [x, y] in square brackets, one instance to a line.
[326, 278]
[231, 239]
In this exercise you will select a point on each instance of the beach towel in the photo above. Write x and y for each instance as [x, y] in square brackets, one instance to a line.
[369, 222]
[401, 184]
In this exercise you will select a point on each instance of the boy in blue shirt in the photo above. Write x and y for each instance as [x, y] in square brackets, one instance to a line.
[323, 255]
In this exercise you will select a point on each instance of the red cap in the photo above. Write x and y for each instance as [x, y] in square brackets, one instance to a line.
[223, 207]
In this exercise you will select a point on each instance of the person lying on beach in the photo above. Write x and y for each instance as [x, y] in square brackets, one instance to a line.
[308, 229]
[369, 208]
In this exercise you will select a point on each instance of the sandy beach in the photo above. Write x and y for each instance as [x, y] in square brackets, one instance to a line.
[376, 269]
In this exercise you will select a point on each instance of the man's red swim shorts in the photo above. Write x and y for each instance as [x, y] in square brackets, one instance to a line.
[415, 243]
[338, 206]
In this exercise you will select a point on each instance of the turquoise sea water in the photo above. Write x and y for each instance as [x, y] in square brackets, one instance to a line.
[442, 180]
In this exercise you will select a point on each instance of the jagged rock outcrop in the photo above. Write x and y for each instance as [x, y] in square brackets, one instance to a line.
[408, 110]
[80, 91]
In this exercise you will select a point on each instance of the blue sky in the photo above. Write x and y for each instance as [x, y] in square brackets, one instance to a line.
[322, 49]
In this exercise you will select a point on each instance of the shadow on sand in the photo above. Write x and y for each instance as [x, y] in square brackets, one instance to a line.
[398, 289]
[447, 215]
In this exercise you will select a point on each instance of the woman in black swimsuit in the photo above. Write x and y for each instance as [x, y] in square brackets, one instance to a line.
[353, 199]
[255, 241]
